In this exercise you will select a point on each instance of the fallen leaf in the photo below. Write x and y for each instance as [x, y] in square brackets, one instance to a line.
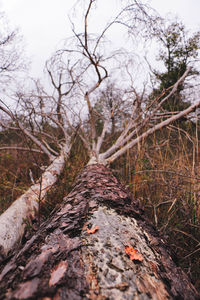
[92, 230]
[133, 253]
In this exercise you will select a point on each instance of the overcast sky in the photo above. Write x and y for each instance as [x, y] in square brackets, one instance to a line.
[44, 23]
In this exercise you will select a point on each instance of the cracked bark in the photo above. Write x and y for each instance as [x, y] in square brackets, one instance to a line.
[63, 261]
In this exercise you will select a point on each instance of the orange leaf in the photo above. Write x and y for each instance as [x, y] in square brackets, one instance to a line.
[92, 230]
[133, 255]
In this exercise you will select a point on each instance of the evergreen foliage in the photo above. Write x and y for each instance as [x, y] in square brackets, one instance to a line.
[178, 50]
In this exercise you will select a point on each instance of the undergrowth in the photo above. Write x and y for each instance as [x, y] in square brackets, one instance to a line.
[162, 173]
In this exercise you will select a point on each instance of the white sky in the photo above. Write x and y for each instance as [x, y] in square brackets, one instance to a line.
[44, 23]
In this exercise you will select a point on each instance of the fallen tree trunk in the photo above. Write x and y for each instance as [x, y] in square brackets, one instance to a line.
[86, 249]
[23, 210]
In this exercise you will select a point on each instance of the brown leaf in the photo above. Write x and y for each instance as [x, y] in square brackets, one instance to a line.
[132, 253]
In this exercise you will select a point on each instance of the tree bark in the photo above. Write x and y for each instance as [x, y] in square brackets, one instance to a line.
[79, 252]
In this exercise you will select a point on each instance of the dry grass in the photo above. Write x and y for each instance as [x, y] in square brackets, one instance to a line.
[163, 174]
[15, 167]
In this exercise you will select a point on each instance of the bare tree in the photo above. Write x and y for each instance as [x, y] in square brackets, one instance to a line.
[12, 59]
[25, 208]
[69, 79]
[39, 118]
[76, 72]
[137, 126]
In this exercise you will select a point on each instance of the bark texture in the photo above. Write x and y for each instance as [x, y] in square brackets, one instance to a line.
[79, 252]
